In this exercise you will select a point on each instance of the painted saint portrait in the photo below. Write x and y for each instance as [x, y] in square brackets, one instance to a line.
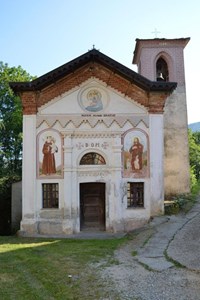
[136, 151]
[93, 99]
[49, 154]
[49, 149]
[135, 154]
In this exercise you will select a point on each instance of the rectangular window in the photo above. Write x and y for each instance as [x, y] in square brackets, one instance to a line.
[135, 194]
[50, 195]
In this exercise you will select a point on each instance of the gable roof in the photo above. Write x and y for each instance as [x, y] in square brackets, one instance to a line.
[92, 56]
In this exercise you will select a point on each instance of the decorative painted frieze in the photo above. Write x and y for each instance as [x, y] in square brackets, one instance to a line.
[84, 145]
[91, 173]
[92, 120]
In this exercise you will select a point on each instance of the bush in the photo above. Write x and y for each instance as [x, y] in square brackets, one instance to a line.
[193, 179]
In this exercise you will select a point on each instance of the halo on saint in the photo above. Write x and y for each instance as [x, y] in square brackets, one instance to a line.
[93, 99]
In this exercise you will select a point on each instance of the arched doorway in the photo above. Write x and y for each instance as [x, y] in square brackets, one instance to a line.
[92, 206]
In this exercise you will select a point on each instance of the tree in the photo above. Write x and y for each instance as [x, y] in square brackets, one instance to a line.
[194, 152]
[10, 120]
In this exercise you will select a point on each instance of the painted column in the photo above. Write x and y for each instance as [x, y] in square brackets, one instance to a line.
[156, 164]
[116, 213]
[28, 223]
[67, 222]
[75, 197]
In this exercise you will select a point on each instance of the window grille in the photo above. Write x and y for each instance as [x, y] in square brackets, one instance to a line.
[50, 195]
[135, 194]
[92, 158]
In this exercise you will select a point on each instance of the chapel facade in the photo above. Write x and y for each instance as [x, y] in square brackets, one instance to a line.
[96, 141]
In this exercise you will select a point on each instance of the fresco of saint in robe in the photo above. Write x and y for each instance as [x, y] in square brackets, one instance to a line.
[135, 154]
[49, 154]
[49, 149]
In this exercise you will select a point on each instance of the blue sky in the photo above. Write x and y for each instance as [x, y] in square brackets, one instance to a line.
[41, 35]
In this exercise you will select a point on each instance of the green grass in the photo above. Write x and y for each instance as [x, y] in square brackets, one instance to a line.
[183, 203]
[53, 268]
[176, 263]
[134, 253]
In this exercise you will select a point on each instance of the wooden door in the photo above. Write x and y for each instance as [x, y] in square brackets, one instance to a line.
[92, 206]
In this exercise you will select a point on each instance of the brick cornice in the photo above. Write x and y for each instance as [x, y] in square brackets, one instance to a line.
[153, 101]
[29, 102]
[157, 102]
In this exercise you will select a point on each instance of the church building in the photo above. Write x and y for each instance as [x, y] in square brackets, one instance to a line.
[103, 146]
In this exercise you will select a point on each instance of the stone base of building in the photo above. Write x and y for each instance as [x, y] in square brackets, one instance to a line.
[61, 229]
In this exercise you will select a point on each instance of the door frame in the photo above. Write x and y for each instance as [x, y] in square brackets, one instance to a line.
[101, 192]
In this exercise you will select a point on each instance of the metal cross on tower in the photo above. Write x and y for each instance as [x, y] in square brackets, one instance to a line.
[156, 32]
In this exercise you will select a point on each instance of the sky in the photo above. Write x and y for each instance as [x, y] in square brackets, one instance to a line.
[42, 35]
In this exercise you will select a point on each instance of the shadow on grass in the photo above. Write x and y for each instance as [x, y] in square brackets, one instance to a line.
[35, 268]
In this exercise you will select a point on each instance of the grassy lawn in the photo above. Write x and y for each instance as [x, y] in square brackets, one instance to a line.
[53, 268]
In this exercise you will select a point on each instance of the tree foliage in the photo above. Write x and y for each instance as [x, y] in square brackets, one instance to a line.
[10, 120]
[194, 152]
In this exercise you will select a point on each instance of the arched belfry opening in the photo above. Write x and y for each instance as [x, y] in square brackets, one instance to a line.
[162, 73]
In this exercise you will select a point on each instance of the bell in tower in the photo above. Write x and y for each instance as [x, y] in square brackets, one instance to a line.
[162, 70]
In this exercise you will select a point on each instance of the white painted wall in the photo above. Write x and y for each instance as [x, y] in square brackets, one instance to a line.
[29, 174]
[101, 134]
[156, 164]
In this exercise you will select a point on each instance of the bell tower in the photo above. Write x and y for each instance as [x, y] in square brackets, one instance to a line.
[163, 60]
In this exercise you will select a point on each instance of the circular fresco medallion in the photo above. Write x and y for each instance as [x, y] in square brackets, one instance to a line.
[93, 99]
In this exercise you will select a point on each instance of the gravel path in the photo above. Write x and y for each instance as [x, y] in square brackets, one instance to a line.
[162, 262]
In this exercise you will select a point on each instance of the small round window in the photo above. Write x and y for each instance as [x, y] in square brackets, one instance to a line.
[92, 158]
